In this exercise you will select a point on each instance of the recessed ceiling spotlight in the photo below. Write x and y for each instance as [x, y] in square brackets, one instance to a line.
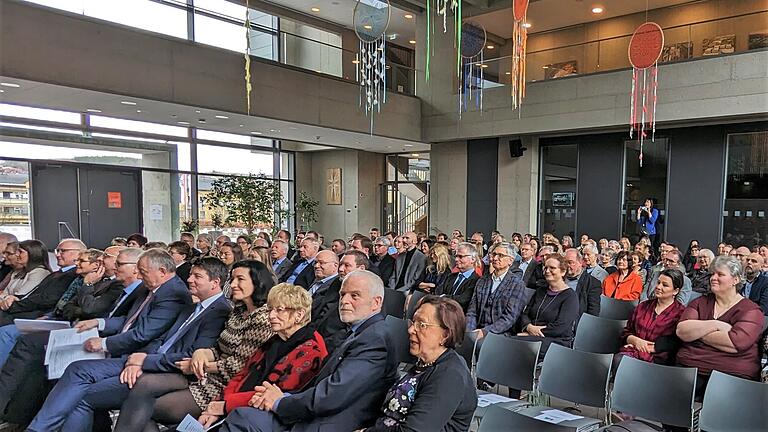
[315, 9]
[412, 42]
[185, 123]
[273, 130]
[223, 117]
[7, 84]
[128, 103]
[93, 110]
[415, 154]
[483, 65]
[256, 133]
[368, 27]
[197, 111]
[138, 111]
[174, 115]
[597, 10]
[527, 25]
[409, 145]
[2, 91]
[241, 125]
[490, 47]
[408, 16]
[201, 120]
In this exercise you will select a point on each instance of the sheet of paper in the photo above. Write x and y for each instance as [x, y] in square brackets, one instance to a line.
[25, 326]
[486, 399]
[556, 416]
[64, 356]
[67, 338]
[189, 424]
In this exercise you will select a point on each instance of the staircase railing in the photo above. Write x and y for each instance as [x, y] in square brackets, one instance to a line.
[412, 213]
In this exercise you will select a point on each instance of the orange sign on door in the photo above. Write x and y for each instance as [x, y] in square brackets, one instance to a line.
[114, 200]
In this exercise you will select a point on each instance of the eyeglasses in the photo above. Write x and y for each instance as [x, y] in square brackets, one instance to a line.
[279, 309]
[62, 250]
[462, 256]
[498, 255]
[421, 325]
[122, 263]
[84, 261]
[379, 245]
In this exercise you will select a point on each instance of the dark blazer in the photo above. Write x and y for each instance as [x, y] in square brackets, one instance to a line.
[93, 301]
[154, 319]
[347, 393]
[536, 279]
[499, 311]
[385, 267]
[325, 314]
[759, 292]
[202, 332]
[283, 268]
[589, 290]
[41, 300]
[305, 278]
[529, 271]
[445, 401]
[412, 273]
[183, 270]
[463, 293]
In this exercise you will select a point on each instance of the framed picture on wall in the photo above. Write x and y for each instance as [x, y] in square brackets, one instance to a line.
[562, 199]
[560, 70]
[723, 44]
[676, 52]
[758, 40]
[333, 186]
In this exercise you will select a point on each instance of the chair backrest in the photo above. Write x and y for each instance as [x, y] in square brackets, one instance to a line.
[576, 376]
[498, 419]
[615, 309]
[413, 302]
[694, 295]
[734, 404]
[394, 303]
[398, 329]
[598, 335]
[466, 349]
[529, 293]
[508, 361]
[655, 392]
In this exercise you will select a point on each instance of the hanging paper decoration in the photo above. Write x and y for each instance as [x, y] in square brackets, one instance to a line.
[471, 81]
[519, 41]
[371, 19]
[644, 51]
[441, 8]
[247, 55]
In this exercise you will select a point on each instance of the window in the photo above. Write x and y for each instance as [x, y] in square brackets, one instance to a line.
[228, 160]
[137, 126]
[39, 113]
[641, 182]
[557, 202]
[746, 195]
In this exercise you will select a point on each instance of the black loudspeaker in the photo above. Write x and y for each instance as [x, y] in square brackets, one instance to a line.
[516, 148]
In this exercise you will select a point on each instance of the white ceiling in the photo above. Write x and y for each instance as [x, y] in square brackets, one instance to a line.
[340, 12]
[553, 14]
[43, 95]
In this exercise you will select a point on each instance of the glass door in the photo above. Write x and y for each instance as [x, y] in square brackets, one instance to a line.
[642, 182]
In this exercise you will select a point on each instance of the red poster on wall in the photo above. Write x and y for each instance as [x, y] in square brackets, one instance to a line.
[114, 200]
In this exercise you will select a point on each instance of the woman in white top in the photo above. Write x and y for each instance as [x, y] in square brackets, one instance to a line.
[29, 260]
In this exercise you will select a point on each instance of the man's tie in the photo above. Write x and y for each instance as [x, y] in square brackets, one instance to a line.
[315, 286]
[136, 314]
[174, 337]
[120, 299]
[459, 281]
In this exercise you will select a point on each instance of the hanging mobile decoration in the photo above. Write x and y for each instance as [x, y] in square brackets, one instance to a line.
[644, 51]
[442, 7]
[371, 19]
[519, 41]
[247, 55]
[471, 81]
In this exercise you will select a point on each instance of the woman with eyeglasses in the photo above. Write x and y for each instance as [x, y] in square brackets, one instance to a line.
[289, 359]
[29, 263]
[623, 284]
[437, 393]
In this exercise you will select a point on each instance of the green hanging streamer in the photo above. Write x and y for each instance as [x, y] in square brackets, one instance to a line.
[429, 41]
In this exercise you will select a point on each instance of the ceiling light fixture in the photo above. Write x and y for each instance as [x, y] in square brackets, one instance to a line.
[223, 117]
[412, 42]
[408, 16]
[507, 73]
[355, 61]
[415, 154]
[183, 123]
[197, 111]
[315, 9]
[128, 103]
[7, 84]
[138, 111]
[256, 133]
[482, 65]
[490, 47]
[409, 145]
[93, 110]
[597, 10]
[527, 25]
[368, 27]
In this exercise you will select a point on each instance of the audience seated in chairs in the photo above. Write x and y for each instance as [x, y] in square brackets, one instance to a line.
[720, 330]
[182, 255]
[437, 271]
[438, 392]
[302, 272]
[29, 265]
[623, 284]
[700, 277]
[460, 286]
[586, 286]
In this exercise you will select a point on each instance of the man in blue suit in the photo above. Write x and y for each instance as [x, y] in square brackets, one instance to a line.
[347, 393]
[148, 319]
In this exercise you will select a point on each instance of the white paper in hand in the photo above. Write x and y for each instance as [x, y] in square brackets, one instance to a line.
[189, 424]
[66, 347]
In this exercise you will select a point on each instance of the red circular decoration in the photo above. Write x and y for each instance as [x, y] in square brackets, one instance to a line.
[519, 9]
[646, 45]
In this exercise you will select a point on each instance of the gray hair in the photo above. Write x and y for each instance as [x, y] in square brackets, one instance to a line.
[510, 247]
[469, 248]
[546, 248]
[159, 259]
[283, 243]
[590, 248]
[78, 242]
[383, 240]
[312, 240]
[579, 256]
[610, 252]
[208, 238]
[679, 257]
[374, 283]
[708, 253]
[131, 254]
[732, 264]
[8, 237]
[614, 243]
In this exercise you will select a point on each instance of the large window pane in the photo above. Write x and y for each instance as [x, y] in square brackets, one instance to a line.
[227, 160]
[138, 126]
[222, 34]
[14, 199]
[311, 48]
[39, 113]
[557, 206]
[647, 181]
[746, 199]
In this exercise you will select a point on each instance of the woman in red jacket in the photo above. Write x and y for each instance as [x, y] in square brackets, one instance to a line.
[289, 360]
[624, 284]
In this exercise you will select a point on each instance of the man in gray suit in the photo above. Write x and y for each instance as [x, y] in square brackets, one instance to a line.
[280, 262]
[408, 266]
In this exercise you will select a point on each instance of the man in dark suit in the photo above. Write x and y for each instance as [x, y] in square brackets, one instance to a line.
[281, 264]
[408, 266]
[499, 298]
[755, 282]
[44, 297]
[384, 263]
[104, 384]
[181, 254]
[461, 285]
[325, 299]
[587, 287]
[302, 273]
[23, 380]
[527, 263]
[537, 280]
[346, 394]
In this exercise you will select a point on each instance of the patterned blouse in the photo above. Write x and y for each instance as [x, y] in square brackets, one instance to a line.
[242, 336]
[400, 398]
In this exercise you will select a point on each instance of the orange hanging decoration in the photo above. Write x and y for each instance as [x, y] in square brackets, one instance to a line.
[519, 40]
[644, 51]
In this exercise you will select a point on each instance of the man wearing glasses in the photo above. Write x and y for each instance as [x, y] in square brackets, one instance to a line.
[381, 259]
[499, 298]
[460, 286]
[5, 238]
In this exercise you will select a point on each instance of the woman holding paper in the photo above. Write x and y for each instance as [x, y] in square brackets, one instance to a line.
[29, 260]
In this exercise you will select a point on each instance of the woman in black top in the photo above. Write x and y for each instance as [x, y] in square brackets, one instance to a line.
[551, 313]
[438, 393]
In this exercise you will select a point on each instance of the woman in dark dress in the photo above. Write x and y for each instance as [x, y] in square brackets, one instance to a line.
[438, 393]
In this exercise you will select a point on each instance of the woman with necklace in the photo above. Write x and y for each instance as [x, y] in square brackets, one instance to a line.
[551, 313]
[438, 393]
[650, 331]
[720, 330]
[623, 284]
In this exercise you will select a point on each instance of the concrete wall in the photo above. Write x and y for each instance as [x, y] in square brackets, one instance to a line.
[448, 187]
[50, 46]
[518, 188]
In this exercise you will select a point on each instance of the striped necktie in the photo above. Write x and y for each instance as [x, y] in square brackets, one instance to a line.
[129, 322]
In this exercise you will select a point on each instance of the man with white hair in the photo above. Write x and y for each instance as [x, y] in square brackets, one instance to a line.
[590, 253]
[460, 286]
[281, 264]
[381, 259]
[348, 390]
[302, 272]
